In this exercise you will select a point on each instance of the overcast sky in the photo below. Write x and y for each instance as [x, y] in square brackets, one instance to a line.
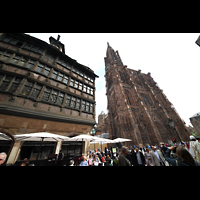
[171, 58]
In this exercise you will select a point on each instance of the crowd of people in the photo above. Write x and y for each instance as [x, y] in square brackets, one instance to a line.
[183, 154]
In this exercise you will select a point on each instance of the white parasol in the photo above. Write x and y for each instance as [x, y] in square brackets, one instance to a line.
[117, 140]
[41, 136]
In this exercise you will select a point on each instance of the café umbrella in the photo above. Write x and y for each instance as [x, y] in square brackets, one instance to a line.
[4, 137]
[118, 140]
[82, 137]
[101, 140]
[41, 136]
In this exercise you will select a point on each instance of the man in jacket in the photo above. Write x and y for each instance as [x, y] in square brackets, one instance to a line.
[154, 158]
[138, 158]
[123, 161]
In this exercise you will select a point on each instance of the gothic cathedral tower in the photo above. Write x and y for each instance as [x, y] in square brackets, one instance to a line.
[138, 108]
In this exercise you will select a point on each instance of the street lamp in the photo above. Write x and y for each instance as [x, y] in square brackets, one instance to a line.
[172, 125]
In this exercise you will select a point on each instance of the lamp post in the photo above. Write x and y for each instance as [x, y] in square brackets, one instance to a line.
[172, 125]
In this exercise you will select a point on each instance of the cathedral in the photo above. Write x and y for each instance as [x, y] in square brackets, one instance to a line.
[137, 108]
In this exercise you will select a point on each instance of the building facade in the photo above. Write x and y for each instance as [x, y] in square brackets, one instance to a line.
[43, 89]
[195, 121]
[138, 108]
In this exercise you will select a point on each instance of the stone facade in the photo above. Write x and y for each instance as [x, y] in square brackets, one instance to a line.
[38, 81]
[42, 89]
[138, 108]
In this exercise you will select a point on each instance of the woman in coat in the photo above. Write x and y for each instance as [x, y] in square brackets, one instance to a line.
[184, 158]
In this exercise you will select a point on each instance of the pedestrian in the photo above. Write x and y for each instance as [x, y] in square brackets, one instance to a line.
[84, 162]
[3, 159]
[90, 163]
[138, 158]
[123, 161]
[147, 157]
[71, 163]
[108, 161]
[163, 148]
[154, 158]
[184, 158]
[115, 160]
[103, 158]
[96, 160]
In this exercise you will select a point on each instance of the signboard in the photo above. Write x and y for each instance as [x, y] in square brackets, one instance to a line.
[114, 150]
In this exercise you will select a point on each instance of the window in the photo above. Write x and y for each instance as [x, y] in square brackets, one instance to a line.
[88, 90]
[80, 86]
[33, 48]
[54, 96]
[30, 64]
[68, 99]
[73, 102]
[60, 76]
[46, 94]
[54, 75]
[6, 82]
[22, 62]
[36, 91]
[27, 46]
[13, 41]
[27, 88]
[49, 57]
[71, 82]
[6, 56]
[69, 66]
[84, 88]
[15, 60]
[65, 79]
[83, 105]
[92, 92]
[15, 84]
[76, 84]
[7, 38]
[87, 106]
[40, 68]
[47, 71]
[78, 103]
[60, 98]
[91, 108]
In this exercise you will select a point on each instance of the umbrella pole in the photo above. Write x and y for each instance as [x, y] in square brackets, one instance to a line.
[40, 148]
[81, 147]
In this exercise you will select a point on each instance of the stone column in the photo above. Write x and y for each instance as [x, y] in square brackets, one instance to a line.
[16, 148]
[58, 147]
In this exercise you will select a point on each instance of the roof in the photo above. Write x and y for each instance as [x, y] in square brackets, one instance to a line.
[196, 115]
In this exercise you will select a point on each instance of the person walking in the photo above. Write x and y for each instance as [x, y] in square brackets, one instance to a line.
[147, 157]
[138, 158]
[154, 158]
[123, 161]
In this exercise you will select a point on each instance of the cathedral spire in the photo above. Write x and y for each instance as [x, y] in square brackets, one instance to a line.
[111, 55]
